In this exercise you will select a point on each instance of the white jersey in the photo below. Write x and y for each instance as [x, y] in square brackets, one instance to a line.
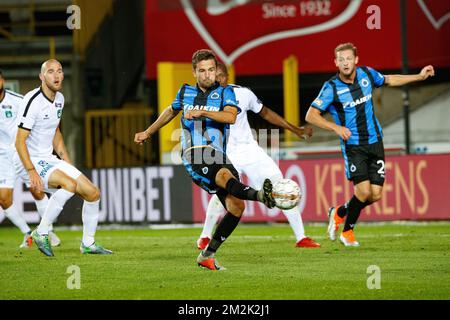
[240, 132]
[9, 108]
[41, 117]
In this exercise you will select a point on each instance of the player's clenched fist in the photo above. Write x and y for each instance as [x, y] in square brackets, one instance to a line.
[141, 137]
[426, 72]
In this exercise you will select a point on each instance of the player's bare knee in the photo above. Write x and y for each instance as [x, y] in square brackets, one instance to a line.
[222, 177]
[93, 194]
[364, 195]
[375, 197]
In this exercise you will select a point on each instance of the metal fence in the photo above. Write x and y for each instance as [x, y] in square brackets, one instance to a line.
[110, 138]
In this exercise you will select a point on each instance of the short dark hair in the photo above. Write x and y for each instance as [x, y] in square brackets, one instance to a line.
[222, 67]
[201, 55]
[346, 46]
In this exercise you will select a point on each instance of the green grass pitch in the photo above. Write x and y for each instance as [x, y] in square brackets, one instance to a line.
[261, 260]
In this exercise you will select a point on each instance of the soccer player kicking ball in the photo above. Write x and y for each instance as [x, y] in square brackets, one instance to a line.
[348, 97]
[10, 169]
[38, 135]
[208, 109]
[249, 158]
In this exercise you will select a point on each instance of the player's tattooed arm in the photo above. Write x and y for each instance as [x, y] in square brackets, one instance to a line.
[60, 147]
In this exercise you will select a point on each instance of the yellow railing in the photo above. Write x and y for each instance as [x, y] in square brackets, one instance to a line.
[109, 138]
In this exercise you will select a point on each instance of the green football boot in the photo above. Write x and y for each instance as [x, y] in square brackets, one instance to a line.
[43, 243]
[94, 249]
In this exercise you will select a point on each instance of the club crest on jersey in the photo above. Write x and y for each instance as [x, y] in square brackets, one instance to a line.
[215, 96]
[59, 113]
[364, 83]
[8, 114]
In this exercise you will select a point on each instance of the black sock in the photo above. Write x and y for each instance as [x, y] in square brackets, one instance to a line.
[223, 231]
[241, 191]
[354, 207]
[343, 210]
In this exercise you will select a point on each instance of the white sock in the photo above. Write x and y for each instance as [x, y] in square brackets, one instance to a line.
[215, 209]
[89, 216]
[41, 206]
[296, 222]
[17, 219]
[54, 208]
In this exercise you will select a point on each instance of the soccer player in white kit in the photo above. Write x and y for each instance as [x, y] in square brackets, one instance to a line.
[250, 159]
[37, 137]
[9, 106]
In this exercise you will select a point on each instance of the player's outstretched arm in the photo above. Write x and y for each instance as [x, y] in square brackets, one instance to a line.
[397, 80]
[274, 118]
[164, 118]
[22, 149]
[60, 147]
[228, 115]
[314, 117]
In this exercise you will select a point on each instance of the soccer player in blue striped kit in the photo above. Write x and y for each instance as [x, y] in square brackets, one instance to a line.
[207, 110]
[348, 97]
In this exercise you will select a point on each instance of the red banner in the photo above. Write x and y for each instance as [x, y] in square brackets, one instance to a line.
[257, 35]
[417, 187]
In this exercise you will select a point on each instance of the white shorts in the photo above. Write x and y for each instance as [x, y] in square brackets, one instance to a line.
[7, 172]
[45, 167]
[255, 163]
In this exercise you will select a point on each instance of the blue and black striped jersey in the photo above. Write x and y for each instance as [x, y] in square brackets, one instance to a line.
[204, 131]
[351, 105]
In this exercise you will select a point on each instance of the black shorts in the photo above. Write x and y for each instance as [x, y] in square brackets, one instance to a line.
[203, 164]
[365, 163]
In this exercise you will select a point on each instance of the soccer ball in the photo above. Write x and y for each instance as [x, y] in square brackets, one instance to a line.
[286, 194]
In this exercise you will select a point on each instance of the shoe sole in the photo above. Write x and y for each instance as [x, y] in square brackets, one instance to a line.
[268, 193]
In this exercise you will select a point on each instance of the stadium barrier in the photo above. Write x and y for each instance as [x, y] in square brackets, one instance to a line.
[417, 187]
[128, 195]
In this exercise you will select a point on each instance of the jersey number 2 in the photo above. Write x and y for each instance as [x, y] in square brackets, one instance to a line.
[381, 170]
